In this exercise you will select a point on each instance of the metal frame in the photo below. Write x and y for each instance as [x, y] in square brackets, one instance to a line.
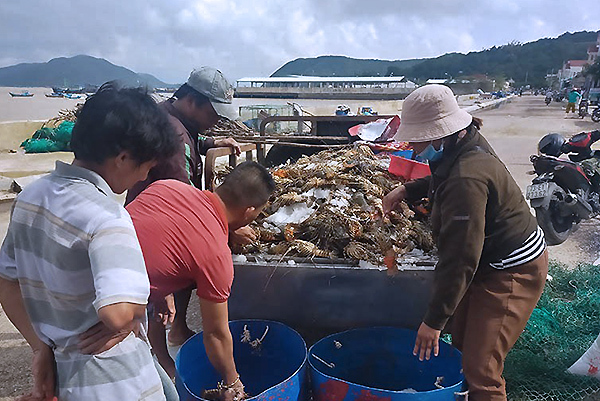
[212, 154]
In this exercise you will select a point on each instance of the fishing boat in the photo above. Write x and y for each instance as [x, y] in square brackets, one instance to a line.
[54, 94]
[21, 94]
[71, 96]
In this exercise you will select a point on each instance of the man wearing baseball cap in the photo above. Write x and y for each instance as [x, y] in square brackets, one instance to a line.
[194, 108]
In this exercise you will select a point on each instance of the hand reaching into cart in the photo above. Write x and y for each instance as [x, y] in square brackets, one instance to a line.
[392, 200]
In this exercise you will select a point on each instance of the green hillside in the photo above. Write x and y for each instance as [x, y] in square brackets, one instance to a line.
[341, 66]
[73, 72]
[524, 63]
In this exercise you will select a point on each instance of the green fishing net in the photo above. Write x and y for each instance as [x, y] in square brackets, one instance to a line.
[562, 327]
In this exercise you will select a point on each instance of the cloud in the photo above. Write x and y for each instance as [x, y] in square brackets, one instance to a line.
[248, 38]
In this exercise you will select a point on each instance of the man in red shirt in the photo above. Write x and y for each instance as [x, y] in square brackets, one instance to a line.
[183, 232]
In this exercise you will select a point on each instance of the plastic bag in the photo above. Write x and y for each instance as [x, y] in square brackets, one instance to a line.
[589, 363]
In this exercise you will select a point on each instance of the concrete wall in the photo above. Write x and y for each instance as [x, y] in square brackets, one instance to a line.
[15, 132]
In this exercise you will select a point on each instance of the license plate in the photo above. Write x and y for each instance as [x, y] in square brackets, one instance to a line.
[537, 191]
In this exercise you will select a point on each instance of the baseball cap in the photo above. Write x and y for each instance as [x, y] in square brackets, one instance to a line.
[212, 83]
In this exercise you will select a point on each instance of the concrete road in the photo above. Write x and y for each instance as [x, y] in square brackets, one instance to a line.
[513, 129]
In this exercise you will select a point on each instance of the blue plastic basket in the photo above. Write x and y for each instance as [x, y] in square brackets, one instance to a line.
[275, 370]
[378, 364]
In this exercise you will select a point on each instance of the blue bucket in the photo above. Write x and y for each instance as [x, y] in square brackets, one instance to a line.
[377, 364]
[273, 370]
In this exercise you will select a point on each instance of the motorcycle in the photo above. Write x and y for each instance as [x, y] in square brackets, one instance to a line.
[583, 108]
[548, 99]
[596, 115]
[565, 192]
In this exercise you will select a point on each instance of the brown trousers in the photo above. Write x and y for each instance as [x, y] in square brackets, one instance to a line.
[489, 320]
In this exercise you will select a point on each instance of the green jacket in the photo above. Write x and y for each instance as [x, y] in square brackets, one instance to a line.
[478, 216]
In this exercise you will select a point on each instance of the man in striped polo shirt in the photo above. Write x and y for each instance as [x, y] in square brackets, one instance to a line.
[71, 262]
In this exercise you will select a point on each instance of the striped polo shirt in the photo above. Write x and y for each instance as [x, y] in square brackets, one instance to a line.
[72, 247]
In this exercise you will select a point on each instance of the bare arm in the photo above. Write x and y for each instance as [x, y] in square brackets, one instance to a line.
[12, 303]
[121, 315]
[217, 339]
[43, 357]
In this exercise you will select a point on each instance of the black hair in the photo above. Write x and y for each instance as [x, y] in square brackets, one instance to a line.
[187, 91]
[451, 141]
[248, 185]
[116, 119]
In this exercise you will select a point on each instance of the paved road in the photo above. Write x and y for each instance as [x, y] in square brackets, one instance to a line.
[513, 130]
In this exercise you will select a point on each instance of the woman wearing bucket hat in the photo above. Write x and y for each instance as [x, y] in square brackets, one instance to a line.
[492, 254]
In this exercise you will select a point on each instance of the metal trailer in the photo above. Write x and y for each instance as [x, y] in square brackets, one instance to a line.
[321, 296]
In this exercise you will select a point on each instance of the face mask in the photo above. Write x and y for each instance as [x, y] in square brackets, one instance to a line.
[430, 154]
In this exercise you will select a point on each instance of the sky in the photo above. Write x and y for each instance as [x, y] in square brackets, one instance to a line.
[168, 38]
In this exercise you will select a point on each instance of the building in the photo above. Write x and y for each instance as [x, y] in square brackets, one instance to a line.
[308, 87]
[593, 51]
[437, 81]
[571, 68]
[570, 74]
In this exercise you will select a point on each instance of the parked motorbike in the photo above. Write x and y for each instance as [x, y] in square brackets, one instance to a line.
[565, 191]
[583, 108]
[596, 115]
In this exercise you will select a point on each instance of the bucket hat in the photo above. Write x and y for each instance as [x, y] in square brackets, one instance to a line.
[212, 83]
[431, 112]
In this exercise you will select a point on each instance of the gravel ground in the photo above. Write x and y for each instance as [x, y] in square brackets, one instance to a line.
[513, 130]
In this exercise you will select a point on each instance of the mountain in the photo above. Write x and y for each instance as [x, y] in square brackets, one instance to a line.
[524, 63]
[73, 72]
[341, 66]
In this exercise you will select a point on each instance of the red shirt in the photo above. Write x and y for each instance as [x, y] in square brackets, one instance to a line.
[183, 233]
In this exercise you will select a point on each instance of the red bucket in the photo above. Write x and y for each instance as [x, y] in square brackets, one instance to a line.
[408, 169]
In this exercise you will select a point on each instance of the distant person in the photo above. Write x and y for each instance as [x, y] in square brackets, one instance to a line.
[194, 108]
[72, 274]
[183, 232]
[573, 98]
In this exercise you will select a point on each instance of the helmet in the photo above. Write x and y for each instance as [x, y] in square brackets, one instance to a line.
[551, 144]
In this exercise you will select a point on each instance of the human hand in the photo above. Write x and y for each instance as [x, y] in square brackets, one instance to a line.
[243, 236]
[42, 367]
[100, 338]
[428, 339]
[392, 200]
[164, 310]
[229, 142]
[235, 392]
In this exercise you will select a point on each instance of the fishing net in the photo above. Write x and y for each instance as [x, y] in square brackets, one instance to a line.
[48, 139]
[562, 327]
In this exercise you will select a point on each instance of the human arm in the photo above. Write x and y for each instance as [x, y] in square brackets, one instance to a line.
[228, 142]
[410, 191]
[462, 208]
[417, 189]
[242, 236]
[217, 339]
[120, 282]
[42, 365]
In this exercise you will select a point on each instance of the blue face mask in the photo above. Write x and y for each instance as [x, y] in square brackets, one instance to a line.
[430, 154]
